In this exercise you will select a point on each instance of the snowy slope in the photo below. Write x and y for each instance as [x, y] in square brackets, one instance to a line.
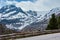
[54, 10]
[15, 17]
[43, 21]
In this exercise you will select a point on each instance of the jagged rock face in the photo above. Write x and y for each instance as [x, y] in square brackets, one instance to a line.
[15, 17]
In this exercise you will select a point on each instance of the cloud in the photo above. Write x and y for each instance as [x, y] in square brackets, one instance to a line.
[25, 0]
[4, 2]
[31, 6]
[52, 3]
[19, 0]
[38, 5]
[7, 2]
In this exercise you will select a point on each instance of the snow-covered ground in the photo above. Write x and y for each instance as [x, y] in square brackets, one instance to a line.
[55, 36]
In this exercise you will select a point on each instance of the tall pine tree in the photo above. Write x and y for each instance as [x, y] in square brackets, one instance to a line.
[59, 22]
[52, 23]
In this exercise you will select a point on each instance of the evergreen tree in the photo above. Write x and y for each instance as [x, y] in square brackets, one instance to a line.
[52, 23]
[59, 22]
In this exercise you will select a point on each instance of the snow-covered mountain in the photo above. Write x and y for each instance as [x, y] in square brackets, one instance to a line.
[42, 24]
[15, 17]
[54, 10]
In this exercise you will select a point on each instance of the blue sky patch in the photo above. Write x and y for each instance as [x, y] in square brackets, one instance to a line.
[23, 0]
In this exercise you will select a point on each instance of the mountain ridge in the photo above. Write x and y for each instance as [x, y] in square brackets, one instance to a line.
[16, 18]
[10, 14]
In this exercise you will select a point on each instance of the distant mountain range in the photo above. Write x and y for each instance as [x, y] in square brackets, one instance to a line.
[42, 24]
[15, 18]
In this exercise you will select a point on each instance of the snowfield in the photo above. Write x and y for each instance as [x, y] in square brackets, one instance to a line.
[55, 36]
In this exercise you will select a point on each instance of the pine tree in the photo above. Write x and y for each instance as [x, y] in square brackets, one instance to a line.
[59, 22]
[52, 23]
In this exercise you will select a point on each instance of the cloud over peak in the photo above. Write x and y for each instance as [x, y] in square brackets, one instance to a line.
[38, 5]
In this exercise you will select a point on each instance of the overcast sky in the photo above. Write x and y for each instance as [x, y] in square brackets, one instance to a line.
[36, 5]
